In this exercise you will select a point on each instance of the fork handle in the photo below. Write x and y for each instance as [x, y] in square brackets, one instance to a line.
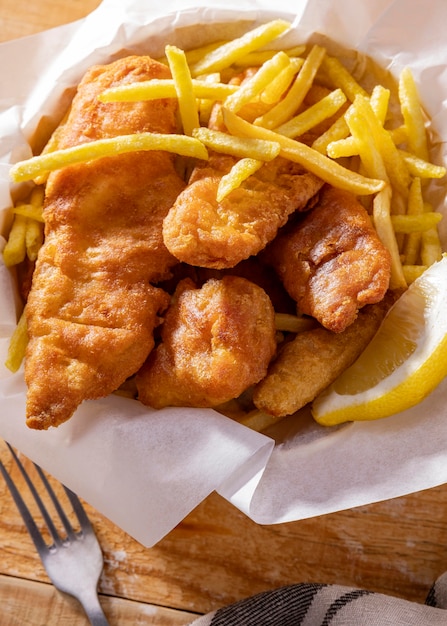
[93, 609]
[97, 617]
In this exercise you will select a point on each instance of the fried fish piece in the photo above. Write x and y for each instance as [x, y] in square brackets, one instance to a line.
[201, 231]
[332, 263]
[91, 310]
[217, 340]
[309, 363]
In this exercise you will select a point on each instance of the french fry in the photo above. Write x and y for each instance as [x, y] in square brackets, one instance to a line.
[255, 59]
[340, 77]
[413, 115]
[342, 148]
[33, 238]
[415, 223]
[360, 119]
[431, 248]
[293, 323]
[420, 168]
[229, 53]
[415, 207]
[165, 88]
[14, 251]
[347, 147]
[258, 82]
[29, 210]
[282, 111]
[196, 54]
[338, 131]
[264, 150]
[239, 172]
[384, 228]
[399, 207]
[375, 166]
[315, 114]
[37, 196]
[399, 135]
[411, 272]
[187, 102]
[34, 209]
[396, 169]
[42, 164]
[328, 170]
[281, 83]
[17, 345]
[258, 420]
[296, 51]
[206, 104]
[366, 146]
[379, 101]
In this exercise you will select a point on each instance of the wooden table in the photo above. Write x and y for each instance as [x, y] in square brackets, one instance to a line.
[217, 555]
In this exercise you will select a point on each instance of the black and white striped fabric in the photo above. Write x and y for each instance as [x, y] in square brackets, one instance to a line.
[331, 605]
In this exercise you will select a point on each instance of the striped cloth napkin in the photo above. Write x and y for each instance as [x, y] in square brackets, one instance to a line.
[310, 604]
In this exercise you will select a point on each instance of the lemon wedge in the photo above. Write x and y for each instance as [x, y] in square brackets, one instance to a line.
[403, 363]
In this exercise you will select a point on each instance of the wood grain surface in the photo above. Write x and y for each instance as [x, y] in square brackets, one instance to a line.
[217, 555]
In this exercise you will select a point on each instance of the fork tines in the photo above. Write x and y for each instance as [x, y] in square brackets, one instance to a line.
[31, 525]
[73, 562]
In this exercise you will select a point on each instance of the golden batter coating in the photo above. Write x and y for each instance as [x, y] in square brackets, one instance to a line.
[310, 362]
[92, 310]
[217, 341]
[199, 230]
[333, 263]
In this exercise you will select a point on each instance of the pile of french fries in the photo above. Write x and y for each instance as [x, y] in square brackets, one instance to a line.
[300, 103]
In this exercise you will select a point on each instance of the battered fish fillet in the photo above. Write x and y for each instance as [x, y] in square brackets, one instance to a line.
[305, 366]
[92, 310]
[201, 231]
[333, 263]
[217, 340]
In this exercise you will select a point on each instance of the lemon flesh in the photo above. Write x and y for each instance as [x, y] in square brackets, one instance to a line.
[404, 362]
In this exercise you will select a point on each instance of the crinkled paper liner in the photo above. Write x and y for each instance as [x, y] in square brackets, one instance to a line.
[146, 470]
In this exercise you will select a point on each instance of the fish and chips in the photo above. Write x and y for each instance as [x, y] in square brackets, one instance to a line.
[92, 308]
[332, 262]
[217, 340]
[170, 191]
[320, 356]
[200, 230]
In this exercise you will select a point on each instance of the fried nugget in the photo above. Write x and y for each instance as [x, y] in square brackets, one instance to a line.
[216, 341]
[332, 263]
[201, 231]
[309, 363]
[92, 310]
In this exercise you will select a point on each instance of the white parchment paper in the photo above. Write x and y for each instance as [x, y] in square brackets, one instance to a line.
[146, 470]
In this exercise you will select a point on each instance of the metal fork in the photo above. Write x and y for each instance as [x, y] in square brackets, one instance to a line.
[73, 563]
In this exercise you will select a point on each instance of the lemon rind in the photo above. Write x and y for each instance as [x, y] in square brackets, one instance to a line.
[430, 368]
